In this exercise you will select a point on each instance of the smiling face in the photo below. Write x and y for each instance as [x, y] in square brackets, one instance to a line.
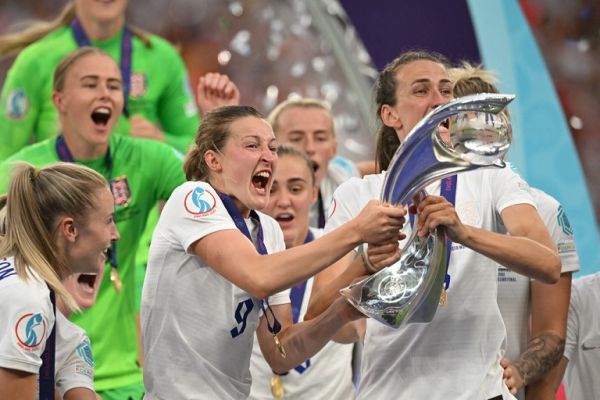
[89, 104]
[309, 129]
[421, 86]
[244, 167]
[292, 194]
[86, 252]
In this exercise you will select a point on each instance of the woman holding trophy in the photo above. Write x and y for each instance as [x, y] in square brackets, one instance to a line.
[456, 355]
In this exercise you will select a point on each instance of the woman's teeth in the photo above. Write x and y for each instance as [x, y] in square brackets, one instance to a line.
[284, 217]
[261, 180]
[101, 115]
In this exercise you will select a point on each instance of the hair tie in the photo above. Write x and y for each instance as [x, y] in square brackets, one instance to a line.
[35, 172]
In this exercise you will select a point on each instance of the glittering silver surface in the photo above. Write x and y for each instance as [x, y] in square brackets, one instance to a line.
[274, 50]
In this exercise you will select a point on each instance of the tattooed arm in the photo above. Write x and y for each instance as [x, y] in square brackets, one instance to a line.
[549, 310]
[547, 386]
[542, 354]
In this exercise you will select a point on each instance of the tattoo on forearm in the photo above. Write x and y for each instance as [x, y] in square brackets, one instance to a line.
[543, 353]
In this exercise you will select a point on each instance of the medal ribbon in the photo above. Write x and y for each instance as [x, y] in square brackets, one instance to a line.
[297, 292]
[46, 376]
[447, 190]
[296, 297]
[126, 53]
[239, 222]
[321, 222]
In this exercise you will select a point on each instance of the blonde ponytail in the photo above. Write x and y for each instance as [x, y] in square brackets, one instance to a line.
[36, 199]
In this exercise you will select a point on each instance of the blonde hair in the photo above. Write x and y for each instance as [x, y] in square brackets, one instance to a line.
[303, 102]
[36, 199]
[65, 65]
[471, 79]
[13, 43]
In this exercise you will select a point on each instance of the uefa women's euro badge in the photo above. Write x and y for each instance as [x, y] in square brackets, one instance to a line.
[477, 135]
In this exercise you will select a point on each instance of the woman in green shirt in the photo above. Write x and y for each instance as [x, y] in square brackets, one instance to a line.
[159, 104]
[89, 98]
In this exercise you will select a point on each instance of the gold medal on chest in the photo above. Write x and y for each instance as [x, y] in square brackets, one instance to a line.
[277, 389]
[115, 279]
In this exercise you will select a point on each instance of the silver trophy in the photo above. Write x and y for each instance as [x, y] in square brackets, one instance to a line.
[479, 136]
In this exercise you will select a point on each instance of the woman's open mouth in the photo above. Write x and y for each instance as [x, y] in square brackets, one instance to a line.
[101, 115]
[260, 181]
[284, 217]
[87, 282]
[315, 166]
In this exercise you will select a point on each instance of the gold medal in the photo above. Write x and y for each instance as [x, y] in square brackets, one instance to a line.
[444, 297]
[279, 346]
[277, 387]
[115, 279]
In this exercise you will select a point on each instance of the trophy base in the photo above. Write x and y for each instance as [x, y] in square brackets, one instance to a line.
[408, 291]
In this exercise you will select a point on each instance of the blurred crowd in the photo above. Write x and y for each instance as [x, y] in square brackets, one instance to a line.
[568, 34]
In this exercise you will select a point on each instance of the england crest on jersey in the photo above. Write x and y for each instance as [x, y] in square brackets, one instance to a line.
[120, 191]
[138, 85]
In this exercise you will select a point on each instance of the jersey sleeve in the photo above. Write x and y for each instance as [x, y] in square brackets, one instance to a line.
[278, 298]
[75, 366]
[20, 105]
[344, 205]
[28, 321]
[177, 110]
[345, 166]
[562, 234]
[168, 167]
[508, 189]
[6, 167]
[194, 211]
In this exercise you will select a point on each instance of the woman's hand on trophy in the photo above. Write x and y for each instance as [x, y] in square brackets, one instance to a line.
[379, 256]
[380, 223]
[342, 307]
[436, 211]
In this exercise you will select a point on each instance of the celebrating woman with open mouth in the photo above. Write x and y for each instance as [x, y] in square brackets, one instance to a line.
[216, 266]
[59, 221]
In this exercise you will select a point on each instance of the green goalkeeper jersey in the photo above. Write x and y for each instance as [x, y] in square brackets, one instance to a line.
[159, 91]
[143, 173]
